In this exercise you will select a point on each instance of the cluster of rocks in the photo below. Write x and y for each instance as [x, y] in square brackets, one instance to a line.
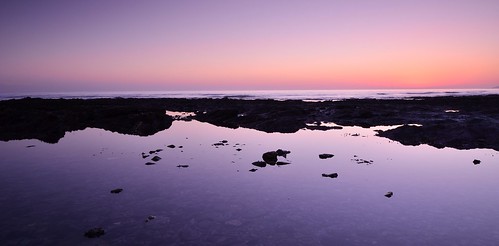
[271, 158]
[361, 161]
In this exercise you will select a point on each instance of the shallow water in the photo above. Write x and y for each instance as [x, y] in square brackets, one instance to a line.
[53, 193]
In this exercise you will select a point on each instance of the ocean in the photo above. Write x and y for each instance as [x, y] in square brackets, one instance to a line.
[306, 95]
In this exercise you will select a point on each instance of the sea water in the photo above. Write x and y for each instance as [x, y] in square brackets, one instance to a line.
[313, 95]
[53, 193]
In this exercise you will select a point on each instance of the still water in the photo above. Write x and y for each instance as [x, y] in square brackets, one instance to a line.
[53, 193]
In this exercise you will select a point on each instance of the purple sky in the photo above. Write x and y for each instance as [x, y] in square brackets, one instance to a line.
[198, 45]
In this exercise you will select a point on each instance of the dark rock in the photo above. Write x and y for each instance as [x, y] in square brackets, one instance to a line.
[389, 194]
[171, 146]
[253, 170]
[282, 163]
[159, 150]
[152, 152]
[180, 146]
[150, 163]
[30, 146]
[259, 163]
[224, 141]
[239, 149]
[183, 166]
[331, 175]
[116, 191]
[282, 153]
[476, 162]
[95, 232]
[144, 155]
[156, 158]
[150, 217]
[270, 157]
[218, 144]
[325, 156]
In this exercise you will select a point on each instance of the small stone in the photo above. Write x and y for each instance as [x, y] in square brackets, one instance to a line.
[180, 146]
[389, 194]
[159, 150]
[270, 157]
[95, 232]
[253, 170]
[144, 155]
[331, 175]
[238, 149]
[116, 191]
[259, 163]
[224, 141]
[325, 156]
[282, 163]
[476, 162]
[150, 163]
[282, 153]
[171, 146]
[156, 158]
[183, 166]
[152, 152]
[30, 146]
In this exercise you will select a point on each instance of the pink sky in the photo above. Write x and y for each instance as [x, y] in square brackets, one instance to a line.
[213, 45]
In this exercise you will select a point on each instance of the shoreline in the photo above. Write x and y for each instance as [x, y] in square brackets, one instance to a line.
[461, 122]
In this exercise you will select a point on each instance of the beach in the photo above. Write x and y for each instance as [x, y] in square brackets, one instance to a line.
[249, 172]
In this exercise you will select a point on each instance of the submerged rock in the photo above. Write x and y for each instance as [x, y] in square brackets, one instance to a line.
[116, 191]
[156, 158]
[476, 162]
[95, 232]
[389, 194]
[259, 163]
[150, 217]
[325, 156]
[270, 157]
[331, 175]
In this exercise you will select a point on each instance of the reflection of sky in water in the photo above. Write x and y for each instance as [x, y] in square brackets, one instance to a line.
[54, 193]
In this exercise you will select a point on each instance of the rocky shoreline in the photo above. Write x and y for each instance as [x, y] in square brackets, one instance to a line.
[458, 122]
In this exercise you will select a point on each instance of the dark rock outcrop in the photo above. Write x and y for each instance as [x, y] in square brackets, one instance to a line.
[473, 123]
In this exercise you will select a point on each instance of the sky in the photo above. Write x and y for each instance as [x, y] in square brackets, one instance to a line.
[123, 45]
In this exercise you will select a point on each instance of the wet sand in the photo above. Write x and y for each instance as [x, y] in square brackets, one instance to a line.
[458, 122]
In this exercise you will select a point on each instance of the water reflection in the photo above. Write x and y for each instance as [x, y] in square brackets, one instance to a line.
[53, 194]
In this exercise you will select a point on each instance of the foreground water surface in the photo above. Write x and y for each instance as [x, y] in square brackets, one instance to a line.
[53, 193]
